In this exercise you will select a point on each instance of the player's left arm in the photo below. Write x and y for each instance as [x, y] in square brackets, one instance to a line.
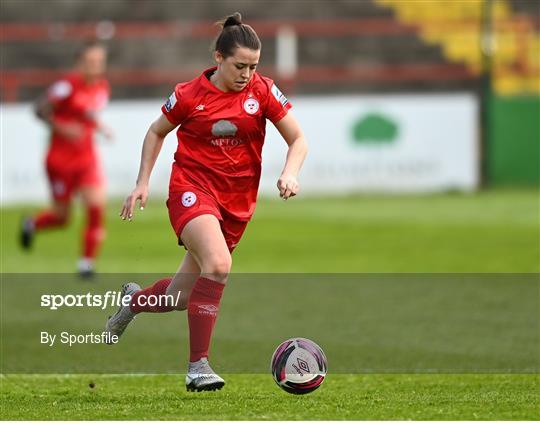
[290, 130]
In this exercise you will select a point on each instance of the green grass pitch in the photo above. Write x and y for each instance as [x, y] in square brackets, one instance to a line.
[491, 232]
[255, 397]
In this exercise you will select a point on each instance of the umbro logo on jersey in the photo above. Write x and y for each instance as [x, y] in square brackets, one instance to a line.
[200, 107]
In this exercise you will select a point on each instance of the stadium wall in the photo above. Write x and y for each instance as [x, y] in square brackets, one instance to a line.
[514, 148]
[381, 143]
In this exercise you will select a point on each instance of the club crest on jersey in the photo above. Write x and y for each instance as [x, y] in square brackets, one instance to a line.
[188, 198]
[251, 106]
[171, 101]
[224, 128]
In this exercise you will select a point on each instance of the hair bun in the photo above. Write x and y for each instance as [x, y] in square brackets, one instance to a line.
[234, 19]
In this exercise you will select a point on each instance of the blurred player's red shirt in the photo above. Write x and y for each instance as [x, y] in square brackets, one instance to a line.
[220, 138]
[76, 102]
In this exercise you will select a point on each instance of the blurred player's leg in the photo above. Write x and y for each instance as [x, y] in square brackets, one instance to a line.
[94, 232]
[55, 217]
[204, 239]
[61, 184]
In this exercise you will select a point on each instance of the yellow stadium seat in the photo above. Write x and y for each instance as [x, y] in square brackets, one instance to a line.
[457, 25]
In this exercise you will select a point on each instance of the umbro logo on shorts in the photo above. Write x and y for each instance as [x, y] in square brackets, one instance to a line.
[188, 199]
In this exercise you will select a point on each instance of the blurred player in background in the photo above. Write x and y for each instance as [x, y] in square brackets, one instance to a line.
[70, 108]
[214, 182]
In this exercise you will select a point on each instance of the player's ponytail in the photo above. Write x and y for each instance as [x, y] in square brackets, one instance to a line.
[234, 19]
[235, 34]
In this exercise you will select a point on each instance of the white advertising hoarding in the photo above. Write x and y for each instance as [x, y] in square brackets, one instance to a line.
[379, 143]
[394, 143]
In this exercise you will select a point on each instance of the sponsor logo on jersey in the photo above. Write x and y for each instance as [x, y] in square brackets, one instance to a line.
[279, 95]
[226, 142]
[225, 132]
[200, 107]
[224, 128]
[251, 106]
[171, 101]
[188, 198]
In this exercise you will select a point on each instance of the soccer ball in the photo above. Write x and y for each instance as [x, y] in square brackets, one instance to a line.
[299, 366]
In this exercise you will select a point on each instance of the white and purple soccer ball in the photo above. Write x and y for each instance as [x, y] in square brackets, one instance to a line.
[299, 366]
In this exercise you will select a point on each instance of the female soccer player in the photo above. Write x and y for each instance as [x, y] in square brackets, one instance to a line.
[213, 187]
[70, 109]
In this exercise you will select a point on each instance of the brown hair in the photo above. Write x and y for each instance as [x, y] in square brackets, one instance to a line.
[235, 34]
[90, 45]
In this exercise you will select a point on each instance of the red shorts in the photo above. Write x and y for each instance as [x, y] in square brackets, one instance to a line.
[191, 202]
[65, 182]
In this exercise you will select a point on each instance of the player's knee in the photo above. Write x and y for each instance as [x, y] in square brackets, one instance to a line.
[62, 214]
[217, 267]
[63, 218]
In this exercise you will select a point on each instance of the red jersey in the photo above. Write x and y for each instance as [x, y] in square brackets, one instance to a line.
[76, 102]
[220, 138]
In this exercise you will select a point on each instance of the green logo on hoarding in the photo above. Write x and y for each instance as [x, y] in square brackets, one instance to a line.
[374, 128]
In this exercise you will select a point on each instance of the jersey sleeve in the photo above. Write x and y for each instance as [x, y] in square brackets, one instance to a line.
[175, 108]
[59, 91]
[277, 104]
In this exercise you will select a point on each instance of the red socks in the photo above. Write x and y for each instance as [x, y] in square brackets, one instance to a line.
[203, 307]
[48, 219]
[151, 299]
[94, 232]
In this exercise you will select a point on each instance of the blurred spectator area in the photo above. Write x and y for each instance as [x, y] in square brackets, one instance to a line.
[456, 26]
[309, 47]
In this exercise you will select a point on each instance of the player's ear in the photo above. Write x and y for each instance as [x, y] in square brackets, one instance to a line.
[218, 57]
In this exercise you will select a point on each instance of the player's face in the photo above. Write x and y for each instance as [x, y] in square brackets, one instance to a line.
[93, 62]
[237, 70]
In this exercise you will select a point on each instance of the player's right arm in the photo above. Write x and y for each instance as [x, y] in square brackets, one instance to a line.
[152, 144]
